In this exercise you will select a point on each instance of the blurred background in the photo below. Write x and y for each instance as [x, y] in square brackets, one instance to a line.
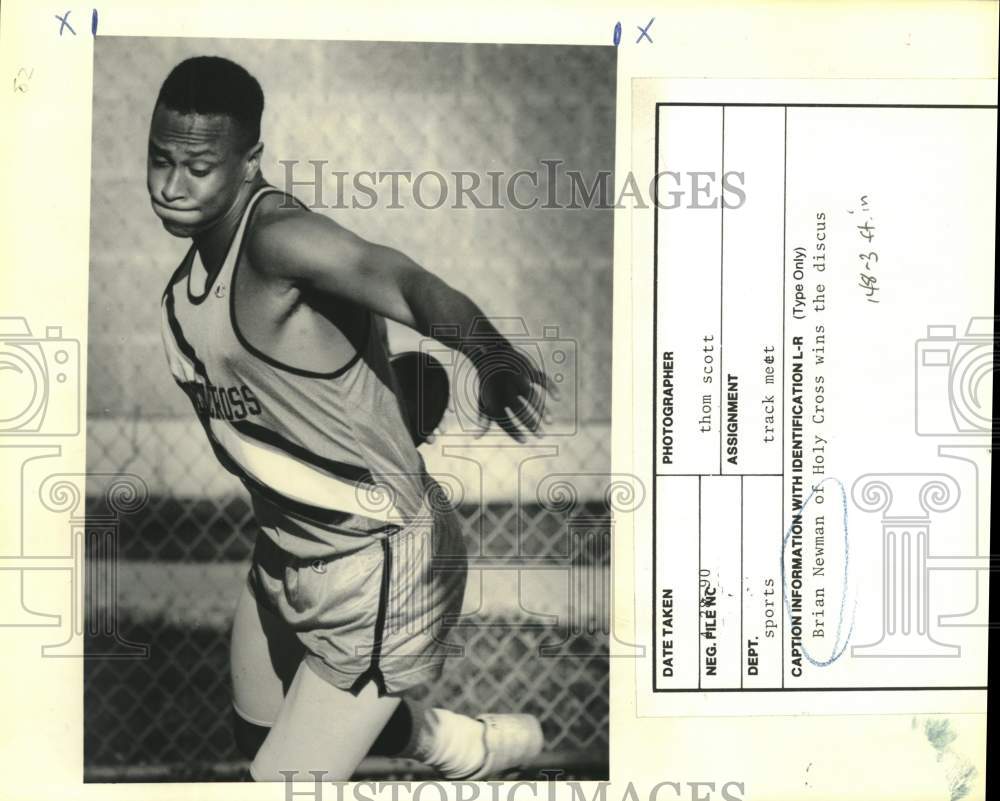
[534, 630]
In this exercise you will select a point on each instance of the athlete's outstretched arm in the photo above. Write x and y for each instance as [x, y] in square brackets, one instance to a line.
[317, 254]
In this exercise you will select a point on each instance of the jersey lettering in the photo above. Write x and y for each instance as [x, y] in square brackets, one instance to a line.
[222, 403]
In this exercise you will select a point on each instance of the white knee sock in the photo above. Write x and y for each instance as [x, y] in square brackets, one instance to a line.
[450, 743]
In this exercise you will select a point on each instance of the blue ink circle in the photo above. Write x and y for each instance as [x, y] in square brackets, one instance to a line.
[841, 641]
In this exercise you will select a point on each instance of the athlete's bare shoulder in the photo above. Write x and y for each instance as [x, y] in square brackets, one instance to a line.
[289, 241]
[315, 254]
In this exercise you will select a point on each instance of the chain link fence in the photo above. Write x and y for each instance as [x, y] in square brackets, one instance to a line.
[537, 517]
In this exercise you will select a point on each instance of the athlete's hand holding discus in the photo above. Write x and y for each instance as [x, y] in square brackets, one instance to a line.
[512, 389]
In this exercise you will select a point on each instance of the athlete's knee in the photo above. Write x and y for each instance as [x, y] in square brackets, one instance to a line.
[249, 736]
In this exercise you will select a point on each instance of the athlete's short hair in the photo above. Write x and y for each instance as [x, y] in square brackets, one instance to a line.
[214, 85]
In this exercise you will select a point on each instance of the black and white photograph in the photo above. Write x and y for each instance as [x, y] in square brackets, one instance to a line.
[349, 411]
[515, 402]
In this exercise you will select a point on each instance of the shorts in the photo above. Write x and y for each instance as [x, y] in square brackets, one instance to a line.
[380, 613]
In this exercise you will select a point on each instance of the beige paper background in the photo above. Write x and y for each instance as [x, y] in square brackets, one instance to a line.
[44, 255]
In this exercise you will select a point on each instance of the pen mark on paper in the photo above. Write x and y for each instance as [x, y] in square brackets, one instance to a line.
[64, 23]
[644, 31]
[22, 78]
[845, 617]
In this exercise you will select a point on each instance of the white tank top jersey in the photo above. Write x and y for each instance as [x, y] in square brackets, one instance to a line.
[327, 457]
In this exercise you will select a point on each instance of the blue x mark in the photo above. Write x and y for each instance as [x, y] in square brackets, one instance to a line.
[644, 32]
[64, 23]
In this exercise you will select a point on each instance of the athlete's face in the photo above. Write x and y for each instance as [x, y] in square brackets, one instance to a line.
[195, 168]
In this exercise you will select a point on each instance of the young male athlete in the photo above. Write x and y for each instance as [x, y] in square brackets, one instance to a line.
[274, 326]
